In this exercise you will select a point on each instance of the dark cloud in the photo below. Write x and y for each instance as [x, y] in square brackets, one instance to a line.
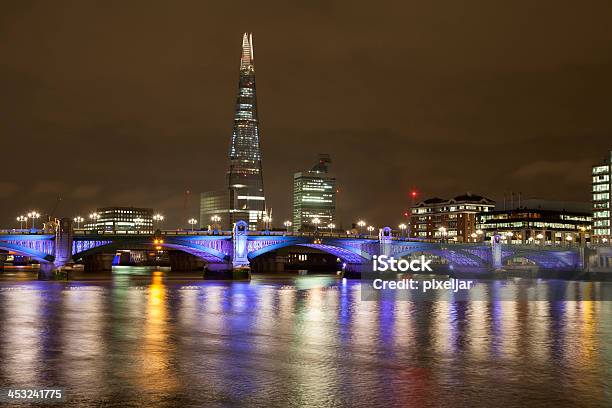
[131, 103]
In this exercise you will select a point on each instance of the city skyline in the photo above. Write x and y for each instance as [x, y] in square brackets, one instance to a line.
[160, 118]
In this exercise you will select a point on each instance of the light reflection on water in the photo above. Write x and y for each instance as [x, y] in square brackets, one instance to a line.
[306, 340]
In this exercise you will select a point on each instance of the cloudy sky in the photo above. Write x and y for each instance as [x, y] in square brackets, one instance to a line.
[131, 102]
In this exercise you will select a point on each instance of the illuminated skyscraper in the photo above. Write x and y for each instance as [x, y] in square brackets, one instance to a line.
[244, 199]
[602, 202]
[314, 196]
[247, 199]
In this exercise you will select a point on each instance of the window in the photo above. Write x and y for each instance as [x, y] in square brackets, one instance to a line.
[601, 187]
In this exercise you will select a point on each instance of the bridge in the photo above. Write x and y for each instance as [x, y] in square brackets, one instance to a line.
[233, 251]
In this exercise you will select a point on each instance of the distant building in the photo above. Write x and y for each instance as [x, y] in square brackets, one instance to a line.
[454, 219]
[121, 219]
[245, 192]
[525, 225]
[314, 196]
[601, 190]
[215, 203]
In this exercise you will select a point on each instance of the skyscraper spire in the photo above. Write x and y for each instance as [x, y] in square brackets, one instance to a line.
[247, 199]
[246, 61]
[244, 198]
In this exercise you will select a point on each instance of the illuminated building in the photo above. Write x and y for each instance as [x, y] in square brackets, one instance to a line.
[601, 190]
[539, 221]
[453, 220]
[314, 196]
[215, 203]
[245, 198]
[121, 219]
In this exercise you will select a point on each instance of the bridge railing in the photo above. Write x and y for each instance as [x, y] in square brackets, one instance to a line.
[22, 231]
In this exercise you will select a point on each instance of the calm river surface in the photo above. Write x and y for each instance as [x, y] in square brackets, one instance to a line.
[291, 341]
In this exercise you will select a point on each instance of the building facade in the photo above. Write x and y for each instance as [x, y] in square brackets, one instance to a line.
[215, 204]
[454, 219]
[601, 190]
[542, 226]
[245, 192]
[121, 220]
[314, 197]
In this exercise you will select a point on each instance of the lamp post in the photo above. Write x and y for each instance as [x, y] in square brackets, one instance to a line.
[94, 216]
[331, 226]
[21, 219]
[138, 222]
[361, 224]
[158, 218]
[78, 219]
[287, 224]
[473, 235]
[480, 234]
[443, 233]
[33, 215]
[569, 239]
[370, 229]
[402, 228]
[267, 222]
[316, 223]
[215, 219]
[192, 222]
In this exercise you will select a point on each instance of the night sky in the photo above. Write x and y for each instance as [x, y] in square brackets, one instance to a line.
[131, 102]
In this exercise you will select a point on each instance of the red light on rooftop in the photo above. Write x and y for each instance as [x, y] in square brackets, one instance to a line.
[413, 194]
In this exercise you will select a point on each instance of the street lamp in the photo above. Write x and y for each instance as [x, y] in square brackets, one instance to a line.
[192, 222]
[443, 233]
[480, 234]
[94, 216]
[267, 222]
[370, 229]
[316, 223]
[331, 226]
[158, 218]
[403, 227]
[569, 239]
[33, 215]
[361, 224]
[78, 219]
[21, 219]
[138, 222]
[473, 235]
[287, 224]
[215, 219]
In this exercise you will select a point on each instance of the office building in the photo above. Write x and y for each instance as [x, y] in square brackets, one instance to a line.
[215, 203]
[601, 190]
[121, 220]
[448, 219]
[314, 197]
[537, 225]
[245, 196]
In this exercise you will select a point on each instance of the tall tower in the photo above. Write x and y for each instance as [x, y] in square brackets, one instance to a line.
[245, 178]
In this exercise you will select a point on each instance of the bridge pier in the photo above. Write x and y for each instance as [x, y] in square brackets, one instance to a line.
[226, 271]
[46, 271]
[181, 261]
[354, 271]
[98, 262]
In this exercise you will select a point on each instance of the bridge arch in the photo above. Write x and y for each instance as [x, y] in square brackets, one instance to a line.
[548, 259]
[454, 256]
[346, 253]
[32, 253]
[209, 254]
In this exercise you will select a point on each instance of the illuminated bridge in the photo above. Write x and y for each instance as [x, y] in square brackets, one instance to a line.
[236, 249]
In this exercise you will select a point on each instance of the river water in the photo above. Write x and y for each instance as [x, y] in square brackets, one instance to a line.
[144, 339]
